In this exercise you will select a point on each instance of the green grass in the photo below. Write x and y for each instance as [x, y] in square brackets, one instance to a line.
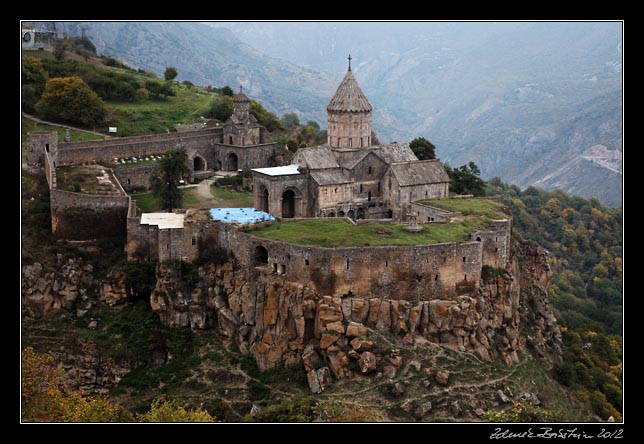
[29, 125]
[469, 207]
[226, 198]
[146, 202]
[156, 116]
[340, 233]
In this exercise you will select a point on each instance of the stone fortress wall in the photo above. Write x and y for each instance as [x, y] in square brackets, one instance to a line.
[74, 215]
[418, 272]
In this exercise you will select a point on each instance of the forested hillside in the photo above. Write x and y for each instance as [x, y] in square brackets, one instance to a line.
[585, 241]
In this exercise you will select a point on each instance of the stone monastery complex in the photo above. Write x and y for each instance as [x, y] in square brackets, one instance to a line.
[348, 177]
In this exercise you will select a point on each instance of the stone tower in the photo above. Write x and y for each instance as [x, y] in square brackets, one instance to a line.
[241, 128]
[241, 107]
[349, 115]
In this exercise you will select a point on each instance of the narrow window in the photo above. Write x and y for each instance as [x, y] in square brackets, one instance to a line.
[465, 278]
[128, 181]
[338, 142]
[369, 196]
[47, 147]
[347, 263]
[386, 264]
[274, 267]
[242, 142]
[306, 262]
[230, 140]
[436, 278]
[350, 142]
[361, 188]
[463, 258]
[369, 170]
[361, 144]
[194, 240]
[378, 186]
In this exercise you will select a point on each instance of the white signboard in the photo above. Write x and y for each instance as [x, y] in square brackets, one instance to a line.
[112, 129]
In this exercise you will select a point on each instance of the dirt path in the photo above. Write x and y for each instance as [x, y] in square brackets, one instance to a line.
[46, 122]
[203, 190]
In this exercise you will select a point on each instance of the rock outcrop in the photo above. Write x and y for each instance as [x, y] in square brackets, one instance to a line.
[534, 276]
[282, 322]
[45, 289]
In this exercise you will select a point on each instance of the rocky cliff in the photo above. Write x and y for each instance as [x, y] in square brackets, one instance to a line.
[285, 323]
[281, 322]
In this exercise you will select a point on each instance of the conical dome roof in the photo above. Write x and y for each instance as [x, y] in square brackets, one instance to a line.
[349, 97]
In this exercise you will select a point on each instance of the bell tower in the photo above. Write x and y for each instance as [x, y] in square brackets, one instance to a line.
[349, 115]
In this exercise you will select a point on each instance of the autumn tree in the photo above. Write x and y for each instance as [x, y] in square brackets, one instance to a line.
[45, 397]
[423, 148]
[164, 410]
[70, 99]
[172, 168]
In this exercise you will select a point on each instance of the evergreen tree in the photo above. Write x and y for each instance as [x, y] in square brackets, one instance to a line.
[165, 183]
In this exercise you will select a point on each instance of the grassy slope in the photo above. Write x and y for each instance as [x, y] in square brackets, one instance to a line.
[149, 116]
[156, 116]
[340, 233]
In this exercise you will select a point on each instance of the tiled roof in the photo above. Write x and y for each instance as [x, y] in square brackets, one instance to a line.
[419, 172]
[331, 176]
[316, 157]
[349, 97]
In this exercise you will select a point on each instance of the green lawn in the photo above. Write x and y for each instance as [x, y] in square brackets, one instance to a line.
[222, 198]
[469, 207]
[225, 198]
[332, 233]
[146, 202]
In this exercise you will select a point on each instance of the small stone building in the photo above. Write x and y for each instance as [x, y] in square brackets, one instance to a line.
[349, 176]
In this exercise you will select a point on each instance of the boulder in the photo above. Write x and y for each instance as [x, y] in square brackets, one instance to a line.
[328, 339]
[335, 327]
[318, 379]
[338, 362]
[361, 345]
[310, 358]
[422, 410]
[442, 377]
[501, 397]
[389, 371]
[355, 329]
[367, 362]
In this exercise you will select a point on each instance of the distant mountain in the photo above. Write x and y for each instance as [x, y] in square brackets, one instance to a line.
[212, 56]
[523, 100]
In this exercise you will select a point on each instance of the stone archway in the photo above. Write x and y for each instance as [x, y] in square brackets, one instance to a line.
[199, 164]
[360, 213]
[260, 257]
[288, 204]
[340, 213]
[350, 214]
[232, 162]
